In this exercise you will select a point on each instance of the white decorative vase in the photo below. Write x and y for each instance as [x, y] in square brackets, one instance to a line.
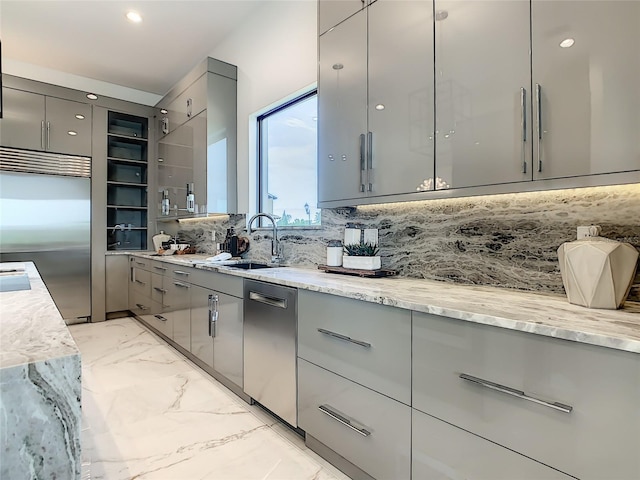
[361, 263]
[597, 272]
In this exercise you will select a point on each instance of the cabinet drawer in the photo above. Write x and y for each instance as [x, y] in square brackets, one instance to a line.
[229, 284]
[598, 438]
[434, 456]
[141, 282]
[157, 288]
[141, 263]
[159, 267]
[140, 305]
[365, 342]
[378, 438]
[159, 321]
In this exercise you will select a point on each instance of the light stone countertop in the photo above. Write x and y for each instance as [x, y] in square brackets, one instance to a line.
[31, 327]
[542, 314]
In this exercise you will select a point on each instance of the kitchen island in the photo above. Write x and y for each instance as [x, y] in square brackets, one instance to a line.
[40, 384]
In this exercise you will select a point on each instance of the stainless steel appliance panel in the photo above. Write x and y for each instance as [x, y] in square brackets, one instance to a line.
[46, 219]
[270, 323]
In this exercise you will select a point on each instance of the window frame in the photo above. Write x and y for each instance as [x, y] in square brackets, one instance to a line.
[262, 170]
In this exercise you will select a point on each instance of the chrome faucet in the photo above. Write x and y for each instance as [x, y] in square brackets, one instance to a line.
[275, 244]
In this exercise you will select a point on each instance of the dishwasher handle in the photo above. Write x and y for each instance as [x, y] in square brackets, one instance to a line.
[273, 301]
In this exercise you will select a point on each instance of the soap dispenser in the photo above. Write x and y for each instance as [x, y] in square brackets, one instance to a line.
[166, 205]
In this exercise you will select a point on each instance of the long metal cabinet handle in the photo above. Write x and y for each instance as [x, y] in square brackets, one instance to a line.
[344, 337]
[42, 134]
[516, 393]
[181, 285]
[142, 264]
[523, 123]
[273, 301]
[539, 123]
[327, 410]
[369, 160]
[48, 135]
[140, 282]
[213, 314]
[180, 272]
[160, 317]
[160, 268]
[141, 307]
[363, 166]
[161, 290]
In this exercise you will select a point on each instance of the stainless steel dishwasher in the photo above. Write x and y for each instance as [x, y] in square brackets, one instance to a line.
[270, 347]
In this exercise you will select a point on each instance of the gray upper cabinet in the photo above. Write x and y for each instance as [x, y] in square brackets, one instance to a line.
[483, 78]
[197, 142]
[38, 122]
[332, 12]
[375, 81]
[400, 104]
[342, 110]
[587, 119]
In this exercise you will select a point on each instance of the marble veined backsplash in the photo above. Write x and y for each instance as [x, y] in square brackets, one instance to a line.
[500, 240]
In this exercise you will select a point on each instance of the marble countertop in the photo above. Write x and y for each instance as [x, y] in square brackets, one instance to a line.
[542, 314]
[31, 327]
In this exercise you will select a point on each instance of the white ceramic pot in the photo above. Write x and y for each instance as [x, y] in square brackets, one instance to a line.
[361, 263]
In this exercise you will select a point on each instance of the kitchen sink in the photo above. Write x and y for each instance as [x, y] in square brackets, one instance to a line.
[251, 265]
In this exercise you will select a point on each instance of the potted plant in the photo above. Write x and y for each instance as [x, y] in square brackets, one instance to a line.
[361, 256]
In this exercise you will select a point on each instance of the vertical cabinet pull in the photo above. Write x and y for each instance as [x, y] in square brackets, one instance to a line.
[516, 393]
[539, 123]
[48, 135]
[42, 141]
[523, 123]
[213, 314]
[369, 161]
[363, 166]
[333, 413]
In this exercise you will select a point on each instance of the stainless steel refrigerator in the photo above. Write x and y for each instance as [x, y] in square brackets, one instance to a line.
[45, 217]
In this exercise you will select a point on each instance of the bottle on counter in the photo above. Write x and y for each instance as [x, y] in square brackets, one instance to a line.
[334, 253]
[166, 205]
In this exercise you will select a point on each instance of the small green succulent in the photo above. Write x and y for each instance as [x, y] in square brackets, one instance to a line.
[361, 250]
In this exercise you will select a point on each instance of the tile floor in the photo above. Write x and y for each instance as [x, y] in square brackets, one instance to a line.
[149, 413]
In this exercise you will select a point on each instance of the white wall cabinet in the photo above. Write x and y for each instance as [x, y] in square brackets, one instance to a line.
[332, 12]
[39, 122]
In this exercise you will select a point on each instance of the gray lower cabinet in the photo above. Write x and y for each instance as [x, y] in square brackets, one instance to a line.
[216, 331]
[568, 405]
[441, 451]
[365, 342]
[369, 430]
[176, 308]
[116, 283]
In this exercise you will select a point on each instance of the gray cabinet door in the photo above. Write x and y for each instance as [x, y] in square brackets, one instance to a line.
[483, 93]
[22, 125]
[587, 113]
[201, 338]
[441, 451]
[401, 101]
[332, 12]
[342, 110]
[116, 283]
[176, 308]
[228, 337]
[68, 127]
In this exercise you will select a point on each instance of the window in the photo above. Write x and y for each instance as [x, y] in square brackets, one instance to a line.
[288, 174]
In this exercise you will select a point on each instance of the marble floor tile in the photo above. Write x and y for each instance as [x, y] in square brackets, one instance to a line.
[149, 413]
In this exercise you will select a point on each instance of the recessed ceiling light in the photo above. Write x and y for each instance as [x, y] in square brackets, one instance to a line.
[72, 133]
[134, 17]
[92, 96]
[380, 107]
[164, 111]
[79, 116]
[567, 42]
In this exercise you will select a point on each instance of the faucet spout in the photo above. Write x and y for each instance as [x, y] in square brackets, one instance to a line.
[275, 244]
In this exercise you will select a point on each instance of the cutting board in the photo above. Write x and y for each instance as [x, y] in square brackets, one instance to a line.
[158, 239]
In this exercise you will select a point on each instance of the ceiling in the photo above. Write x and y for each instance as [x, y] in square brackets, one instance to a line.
[93, 38]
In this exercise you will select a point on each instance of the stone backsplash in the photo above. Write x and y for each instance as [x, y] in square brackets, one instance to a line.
[506, 241]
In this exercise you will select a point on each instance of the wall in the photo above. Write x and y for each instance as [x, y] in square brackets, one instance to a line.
[275, 51]
[500, 240]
